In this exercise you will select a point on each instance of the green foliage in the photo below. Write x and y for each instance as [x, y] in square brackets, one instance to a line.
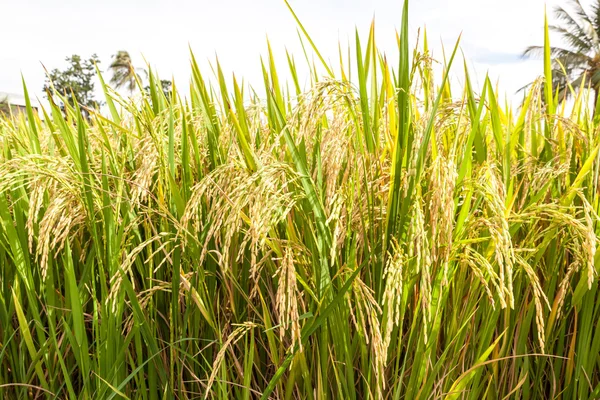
[75, 84]
[381, 237]
[124, 74]
[4, 106]
[577, 65]
[165, 85]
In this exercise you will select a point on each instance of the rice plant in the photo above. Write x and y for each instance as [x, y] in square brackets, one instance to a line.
[378, 234]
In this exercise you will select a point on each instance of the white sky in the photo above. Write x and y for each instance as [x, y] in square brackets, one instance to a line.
[495, 32]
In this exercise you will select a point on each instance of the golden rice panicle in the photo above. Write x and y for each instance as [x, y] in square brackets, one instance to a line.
[232, 339]
[574, 234]
[475, 261]
[147, 158]
[392, 295]
[62, 214]
[441, 208]
[287, 298]
[494, 194]
[369, 322]
[539, 298]
[591, 240]
[419, 250]
[58, 224]
[162, 240]
[36, 201]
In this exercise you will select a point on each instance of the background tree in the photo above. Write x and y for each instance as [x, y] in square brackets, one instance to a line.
[4, 106]
[76, 82]
[165, 85]
[123, 72]
[580, 31]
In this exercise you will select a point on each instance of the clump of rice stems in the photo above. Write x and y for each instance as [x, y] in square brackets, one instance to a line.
[372, 234]
[162, 240]
[232, 339]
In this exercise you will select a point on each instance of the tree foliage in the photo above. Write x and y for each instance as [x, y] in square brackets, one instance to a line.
[76, 82]
[124, 74]
[4, 105]
[579, 60]
[165, 85]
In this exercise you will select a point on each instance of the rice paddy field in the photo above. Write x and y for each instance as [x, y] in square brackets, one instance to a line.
[378, 234]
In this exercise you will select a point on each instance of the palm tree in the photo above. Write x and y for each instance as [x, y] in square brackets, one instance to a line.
[123, 72]
[580, 58]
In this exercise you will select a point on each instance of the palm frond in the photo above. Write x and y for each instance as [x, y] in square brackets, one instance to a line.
[123, 72]
[572, 24]
[595, 16]
[580, 11]
[567, 57]
[576, 39]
